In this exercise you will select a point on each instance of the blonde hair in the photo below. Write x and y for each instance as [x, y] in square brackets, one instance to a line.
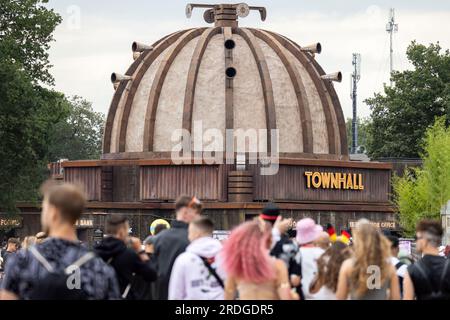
[371, 248]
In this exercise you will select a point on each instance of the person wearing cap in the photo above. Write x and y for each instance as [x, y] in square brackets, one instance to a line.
[307, 234]
[271, 214]
[283, 247]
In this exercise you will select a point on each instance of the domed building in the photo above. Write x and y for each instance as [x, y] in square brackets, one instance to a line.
[192, 90]
[225, 77]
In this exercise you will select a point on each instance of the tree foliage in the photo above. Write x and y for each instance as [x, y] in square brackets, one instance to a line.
[26, 28]
[37, 124]
[402, 114]
[363, 127]
[79, 135]
[422, 192]
[27, 114]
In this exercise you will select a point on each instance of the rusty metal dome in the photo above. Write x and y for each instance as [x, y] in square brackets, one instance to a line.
[229, 78]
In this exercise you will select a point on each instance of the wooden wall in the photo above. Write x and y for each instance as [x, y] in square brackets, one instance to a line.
[88, 178]
[125, 184]
[166, 183]
[135, 182]
[290, 185]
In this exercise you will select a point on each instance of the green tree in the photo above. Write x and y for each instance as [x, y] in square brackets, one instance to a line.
[79, 135]
[363, 127]
[26, 28]
[402, 114]
[28, 111]
[422, 192]
[27, 114]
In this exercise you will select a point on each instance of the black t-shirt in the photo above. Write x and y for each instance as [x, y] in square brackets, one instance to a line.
[435, 281]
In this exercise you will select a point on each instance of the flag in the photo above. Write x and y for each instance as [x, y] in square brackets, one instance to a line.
[332, 233]
[345, 237]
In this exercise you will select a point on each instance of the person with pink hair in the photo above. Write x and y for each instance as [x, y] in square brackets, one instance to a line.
[252, 274]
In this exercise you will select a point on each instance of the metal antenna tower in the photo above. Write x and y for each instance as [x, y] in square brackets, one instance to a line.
[356, 76]
[391, 28]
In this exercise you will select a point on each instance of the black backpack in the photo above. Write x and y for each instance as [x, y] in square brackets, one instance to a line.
[55, 284]
[434, 294]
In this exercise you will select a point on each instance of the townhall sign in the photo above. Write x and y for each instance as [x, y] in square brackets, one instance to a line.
[336, 181]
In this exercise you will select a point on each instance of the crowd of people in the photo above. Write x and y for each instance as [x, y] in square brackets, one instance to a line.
[263, 259]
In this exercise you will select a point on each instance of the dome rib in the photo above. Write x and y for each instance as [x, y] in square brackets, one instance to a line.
[155, 92]
[149, 58]
[193, 75]
[266, 81]
[229, 103]
[300, 91]
[118, 94]
[336, 104]
[319, 84]
[337, 108]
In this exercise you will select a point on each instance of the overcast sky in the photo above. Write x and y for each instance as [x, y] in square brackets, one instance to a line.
[95, 37]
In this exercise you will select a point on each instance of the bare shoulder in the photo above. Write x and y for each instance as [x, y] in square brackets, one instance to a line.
[347, 265]
[280, 265]
[392, 270]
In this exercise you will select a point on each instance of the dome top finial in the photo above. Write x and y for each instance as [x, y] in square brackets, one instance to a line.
[225, 15]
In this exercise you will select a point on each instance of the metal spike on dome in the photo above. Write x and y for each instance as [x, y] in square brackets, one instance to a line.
[336, 77]
[313, 48]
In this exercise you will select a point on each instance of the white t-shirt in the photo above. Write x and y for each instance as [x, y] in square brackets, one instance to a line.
[401, 272]
[308, 256]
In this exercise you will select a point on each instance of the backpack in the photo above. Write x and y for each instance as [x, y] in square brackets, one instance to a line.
[435, 294]
[126, 292]
[54, 285]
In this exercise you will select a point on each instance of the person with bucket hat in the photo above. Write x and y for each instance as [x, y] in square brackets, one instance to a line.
[307, 234]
